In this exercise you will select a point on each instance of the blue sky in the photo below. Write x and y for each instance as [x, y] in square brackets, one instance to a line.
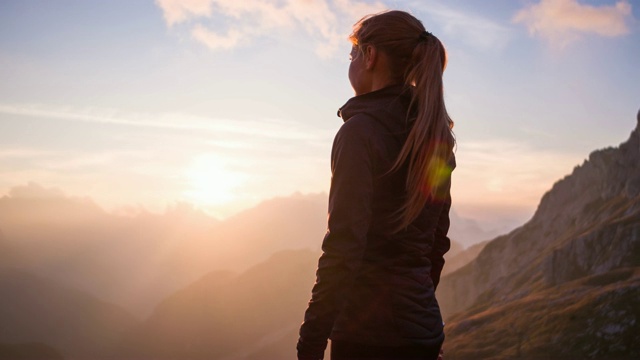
[224, 103]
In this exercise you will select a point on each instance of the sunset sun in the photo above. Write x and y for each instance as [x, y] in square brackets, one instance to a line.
[210, 181]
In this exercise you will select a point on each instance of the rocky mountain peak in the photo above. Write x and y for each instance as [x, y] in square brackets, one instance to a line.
[593, 211]
[607, 174]
[572, 271]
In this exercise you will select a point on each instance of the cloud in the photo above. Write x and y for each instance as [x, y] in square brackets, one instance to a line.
[216, 41]
[561, 22]
[475, 30]
[179, 11]
[21, 153]
[35, 191]
[323, 20]
[262, 128]
[355, 10]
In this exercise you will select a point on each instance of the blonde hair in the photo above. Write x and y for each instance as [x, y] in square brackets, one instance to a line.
[418, 59]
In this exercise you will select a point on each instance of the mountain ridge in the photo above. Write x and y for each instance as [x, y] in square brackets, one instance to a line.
[579, 202]
[36, 309]
[583, 243]
[216, 318]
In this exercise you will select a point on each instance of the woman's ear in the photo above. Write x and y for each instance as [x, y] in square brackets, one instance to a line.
[370, 57]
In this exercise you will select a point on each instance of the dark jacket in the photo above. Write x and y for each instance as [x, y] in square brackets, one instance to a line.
[373, 286]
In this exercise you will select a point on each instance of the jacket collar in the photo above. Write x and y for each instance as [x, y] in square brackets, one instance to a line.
[382, 99]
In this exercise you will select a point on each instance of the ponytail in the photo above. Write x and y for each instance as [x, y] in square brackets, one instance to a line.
[419, 58]
[429, 146]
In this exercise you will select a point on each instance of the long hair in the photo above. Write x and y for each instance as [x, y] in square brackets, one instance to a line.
[418, 59]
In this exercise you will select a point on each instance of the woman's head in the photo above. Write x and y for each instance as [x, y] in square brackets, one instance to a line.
[414, 57]
[402, 39]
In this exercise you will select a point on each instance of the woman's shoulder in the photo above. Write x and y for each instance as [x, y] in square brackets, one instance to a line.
[361, 125]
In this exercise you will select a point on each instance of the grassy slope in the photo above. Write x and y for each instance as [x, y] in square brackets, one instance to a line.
[594, 317]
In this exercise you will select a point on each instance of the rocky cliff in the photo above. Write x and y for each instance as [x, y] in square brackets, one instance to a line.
[586, 227]
[588, 223]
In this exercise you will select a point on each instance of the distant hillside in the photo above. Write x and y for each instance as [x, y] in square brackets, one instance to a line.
[138, 260]
[587, 225]
[36, 310]
[458, 257]
[226, 316]
[468, 232]
[294, 222]
[29, 351]
[130, 260]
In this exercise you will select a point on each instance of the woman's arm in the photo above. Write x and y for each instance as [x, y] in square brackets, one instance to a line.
[442, 243]
[346, 237]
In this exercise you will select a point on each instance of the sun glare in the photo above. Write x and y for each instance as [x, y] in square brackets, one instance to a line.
[211, 182]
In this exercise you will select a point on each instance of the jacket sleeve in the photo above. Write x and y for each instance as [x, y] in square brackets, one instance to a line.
[344, 243]
[442, 243]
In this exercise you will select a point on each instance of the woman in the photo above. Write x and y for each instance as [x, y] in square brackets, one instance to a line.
[389, 201]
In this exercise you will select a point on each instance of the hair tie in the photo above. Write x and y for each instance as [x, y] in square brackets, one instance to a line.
[424, 36]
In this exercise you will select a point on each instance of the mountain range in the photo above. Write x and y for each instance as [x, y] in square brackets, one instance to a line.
[78, 282]
[136, 260]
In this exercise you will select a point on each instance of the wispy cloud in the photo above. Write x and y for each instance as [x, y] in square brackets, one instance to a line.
[179, 11]
[473, 29]
[214, 40]
[21, 152]
[323, 20]
[34, 190]
[561, 22]
[265, 128]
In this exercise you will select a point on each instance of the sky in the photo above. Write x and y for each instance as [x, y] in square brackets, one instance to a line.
[223, 103]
